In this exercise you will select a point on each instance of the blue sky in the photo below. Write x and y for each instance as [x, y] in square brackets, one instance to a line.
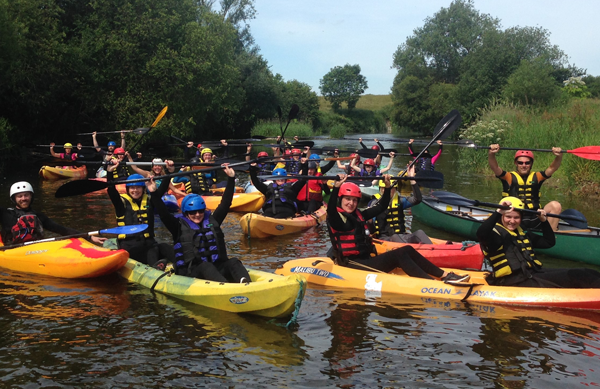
[303, 40]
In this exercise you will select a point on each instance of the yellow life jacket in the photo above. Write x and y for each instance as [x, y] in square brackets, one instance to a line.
[134, 214]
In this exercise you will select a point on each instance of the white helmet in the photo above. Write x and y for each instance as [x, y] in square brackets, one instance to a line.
[157, 160]
[20, 187]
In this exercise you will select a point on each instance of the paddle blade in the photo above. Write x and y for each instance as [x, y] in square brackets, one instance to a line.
[367, 153]
[587, 152]
[303, 143]
[125, 230]
[80, 187]
[447, 125]
[440, 194]
[574, 218]
[160, 116]
[293, 112]
[430, 179]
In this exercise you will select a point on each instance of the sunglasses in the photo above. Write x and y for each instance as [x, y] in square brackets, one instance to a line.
[199, 212]
[523, 162]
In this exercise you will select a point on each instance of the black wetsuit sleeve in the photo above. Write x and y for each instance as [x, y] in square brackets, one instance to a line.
[327, 167]
[363, 145]
[115, 198]
[333, 217]
[162, 188]
[486, 235]
[416, 197]
[381, 146]
[170, 221]
[262, 188]
[189, 153]
[221, 212]
[297, 186]
[379, 207]
[547, 240]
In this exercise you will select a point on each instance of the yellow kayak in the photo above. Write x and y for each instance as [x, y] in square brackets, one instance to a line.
[58, 173]
[268, 295]
[259, 226]
[322, 271]
[241, 202]
[68, 258]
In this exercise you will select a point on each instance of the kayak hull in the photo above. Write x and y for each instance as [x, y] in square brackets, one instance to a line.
[259, 226]
[68, 258]
[61, 173]
[268, 295]
[571, 243]
[241, 202]
[323, 272]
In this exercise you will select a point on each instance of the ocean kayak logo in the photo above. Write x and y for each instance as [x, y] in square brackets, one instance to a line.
[316, 272]
[238, 300]
[279, 227]
[439, 291]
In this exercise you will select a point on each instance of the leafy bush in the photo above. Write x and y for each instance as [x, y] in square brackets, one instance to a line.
[272, 130]
[482, 133]
[575, 87]
[338, 132]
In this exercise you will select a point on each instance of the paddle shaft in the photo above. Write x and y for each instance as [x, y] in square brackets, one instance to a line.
[158, 118]
[530, 211]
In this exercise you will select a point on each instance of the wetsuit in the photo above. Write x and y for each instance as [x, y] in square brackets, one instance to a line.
[19, 226]
[280, 199]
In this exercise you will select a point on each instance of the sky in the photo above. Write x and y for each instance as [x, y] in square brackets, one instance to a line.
[303, 40]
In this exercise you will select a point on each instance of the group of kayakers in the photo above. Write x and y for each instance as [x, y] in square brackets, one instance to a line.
[199, 248]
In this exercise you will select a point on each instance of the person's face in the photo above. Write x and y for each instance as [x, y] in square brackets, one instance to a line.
[280, 182]
[135, 192]
[312, 172]
[296, 156]
[157, 170]
[511, 220]
[523, 165]
[349, 203]
[68, 150]
[111, 149]
[207, 157]
[23, 200]
[195, 216]
[369, 168]
[121, 157]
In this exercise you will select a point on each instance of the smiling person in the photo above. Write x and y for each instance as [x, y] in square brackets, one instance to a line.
[200, 249]
[510, 250]
[22, 224]
[525, 184]
[280, 196]
[352, 245]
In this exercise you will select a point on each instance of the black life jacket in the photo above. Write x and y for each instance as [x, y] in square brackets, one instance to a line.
[393, 216]
[424, 163]
[356, 243]
[199, 184]
[27, 227]
[527, 191]
[514, 257]
[292, 167]
[120, 173]
[280, 195]
[200, 243]
[136, 214]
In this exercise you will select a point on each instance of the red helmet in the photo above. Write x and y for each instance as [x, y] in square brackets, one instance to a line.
[369, 162]
[119, 151]
[524, 153]
[199, 146]
[287, 152]
[355, 156]
[375, 147]
[296, 151]
[263, 154]
[349, 189]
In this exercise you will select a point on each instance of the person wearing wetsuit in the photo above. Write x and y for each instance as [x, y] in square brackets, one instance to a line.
[280, 196]
[426, 161]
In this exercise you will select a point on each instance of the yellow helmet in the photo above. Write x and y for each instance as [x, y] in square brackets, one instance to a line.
[205, 150]
[68, 146]
[382, 183]
[515, 202]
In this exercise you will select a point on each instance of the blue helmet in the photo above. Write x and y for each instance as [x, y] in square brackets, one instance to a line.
[111, 143]
[192, 202]
[314, 156]
[135, 177]
[280, 172]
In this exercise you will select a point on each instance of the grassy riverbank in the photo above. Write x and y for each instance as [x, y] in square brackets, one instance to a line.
[570, 126]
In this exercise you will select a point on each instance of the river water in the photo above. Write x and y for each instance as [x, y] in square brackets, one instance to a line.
[108, 333]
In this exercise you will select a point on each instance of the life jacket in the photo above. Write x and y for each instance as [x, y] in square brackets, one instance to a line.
[200, 243]
[27, 227]
[136, 214]
[394, 218]
[527, 191]
[424, 163]
[364, 173]
[278, 195]
[199, 183]
[354, 243]
[514, 256]
[312, 190]
[120, 173]
[71, 156]
[349, 171]
[293, 167]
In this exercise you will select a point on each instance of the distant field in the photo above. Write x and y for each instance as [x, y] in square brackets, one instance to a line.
[370, 102]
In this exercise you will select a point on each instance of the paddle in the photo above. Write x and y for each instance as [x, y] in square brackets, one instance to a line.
[571, 216]
[350, 178]
[124, 230]
[280, 114]
[586, 152]
[74, 147]
[138, 131]
[158, 118]
[80, 187]
[291, 115]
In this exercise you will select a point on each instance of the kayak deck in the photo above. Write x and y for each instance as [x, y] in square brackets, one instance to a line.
[259, 226]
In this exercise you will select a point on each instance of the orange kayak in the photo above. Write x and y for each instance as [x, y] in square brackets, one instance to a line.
[68, 258]
[323, 272]
[66, 172]
[466, 255]
[242, 202]
[259, 226]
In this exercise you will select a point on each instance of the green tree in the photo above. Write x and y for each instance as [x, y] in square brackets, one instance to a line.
[593, 84]
[532, 84]
[296, 92]
[343, 84]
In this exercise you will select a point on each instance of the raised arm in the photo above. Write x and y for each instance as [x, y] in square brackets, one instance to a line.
[556, 163]
[95, 141]
[123, 140]
[55, 155]
[492, 162]
[389, 166]
[136, 169]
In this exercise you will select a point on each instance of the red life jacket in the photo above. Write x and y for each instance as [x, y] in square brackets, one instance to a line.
[352, 243]
[26, 228]
[312, 190]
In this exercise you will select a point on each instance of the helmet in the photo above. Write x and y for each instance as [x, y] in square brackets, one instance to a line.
[356, 156]
[135, 177]
[111, 143]
[287, 152]
[20, 187]
[524, 153]
[350, 189]
[382, 184]
[205, 151]
[314, 156]
[312, 165]
[68, 146]
[119, 151]
[280, 172]
[263, 154]
[515, 202]
[369, 162]
[296, 151]
[157, 160]
[192, 202]
[199, 146]
[375, 147]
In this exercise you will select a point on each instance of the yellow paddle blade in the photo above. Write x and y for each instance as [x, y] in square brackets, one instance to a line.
[160, 116]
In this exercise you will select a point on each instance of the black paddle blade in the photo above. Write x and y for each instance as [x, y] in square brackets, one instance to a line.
[574, 218]
[442, 195]
[447, 125]
[293, 112]
[80, 187]
[430, 179]
[303, 143]
[367, 153]
[140, 131]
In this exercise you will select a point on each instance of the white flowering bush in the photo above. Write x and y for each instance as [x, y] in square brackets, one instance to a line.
[482, 133]
[575, 87]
